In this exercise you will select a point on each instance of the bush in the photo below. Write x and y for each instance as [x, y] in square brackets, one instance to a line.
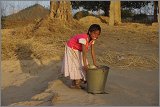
[126, 14]
[139, 17]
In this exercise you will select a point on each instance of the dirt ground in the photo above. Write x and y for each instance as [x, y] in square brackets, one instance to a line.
[124, 87]
[31, 63]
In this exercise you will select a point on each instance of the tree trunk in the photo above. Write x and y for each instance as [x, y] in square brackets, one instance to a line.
[155, 11]
[61, 10]
[111, 13]
[115, 13]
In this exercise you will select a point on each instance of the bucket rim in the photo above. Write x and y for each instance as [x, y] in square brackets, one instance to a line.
[100, 67]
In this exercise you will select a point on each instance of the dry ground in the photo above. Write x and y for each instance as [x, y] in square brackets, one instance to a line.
[32, 55]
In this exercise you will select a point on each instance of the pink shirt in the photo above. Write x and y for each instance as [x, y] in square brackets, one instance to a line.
[74, 42]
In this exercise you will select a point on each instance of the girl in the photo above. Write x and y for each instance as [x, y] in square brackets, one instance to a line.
[75, 62]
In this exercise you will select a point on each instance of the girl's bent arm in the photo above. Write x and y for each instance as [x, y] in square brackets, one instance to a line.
[84, 55]
[93, 54]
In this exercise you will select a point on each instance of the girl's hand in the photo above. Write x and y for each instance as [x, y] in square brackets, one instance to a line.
[96, 65]
[85, 68]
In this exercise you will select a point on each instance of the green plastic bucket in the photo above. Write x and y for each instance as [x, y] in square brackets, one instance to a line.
[96, 79]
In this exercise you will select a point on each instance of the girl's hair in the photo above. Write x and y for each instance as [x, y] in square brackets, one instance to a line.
[94, 27]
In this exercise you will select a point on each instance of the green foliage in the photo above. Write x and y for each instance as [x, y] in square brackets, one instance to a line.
[104, 5]
[89, 5]
[76, 4]
[95, 5]
[139, 16]
[126, 13]
[134, 4]
[92, 5]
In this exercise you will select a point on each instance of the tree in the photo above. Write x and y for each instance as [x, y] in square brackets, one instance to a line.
[134, 4]
[105, 5]
[115, 13]
[155, 11]
[61, 10]
[76, 4]
[92, 5]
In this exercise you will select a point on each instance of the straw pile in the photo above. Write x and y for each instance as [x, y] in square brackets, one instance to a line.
[90, 20]
[129, 60]
[47, 38]
[43, 40]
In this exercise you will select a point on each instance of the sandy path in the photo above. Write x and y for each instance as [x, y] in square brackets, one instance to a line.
[22, 80]
[125, 87]
[132, 88]
[70, 97]
[136, 87]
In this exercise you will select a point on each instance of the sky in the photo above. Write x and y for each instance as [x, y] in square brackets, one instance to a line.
[15, 6]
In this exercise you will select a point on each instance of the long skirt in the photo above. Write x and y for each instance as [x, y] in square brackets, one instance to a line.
[72, 65]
